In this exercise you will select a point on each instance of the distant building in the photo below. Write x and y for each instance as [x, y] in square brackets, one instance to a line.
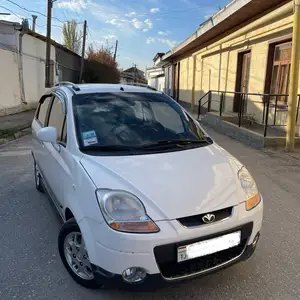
[132, 74]
[156, 74]
[235, 58]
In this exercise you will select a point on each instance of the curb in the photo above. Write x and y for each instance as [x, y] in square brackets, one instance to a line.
[16, 135]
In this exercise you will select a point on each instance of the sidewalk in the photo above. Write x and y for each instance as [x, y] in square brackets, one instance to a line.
[15, 126]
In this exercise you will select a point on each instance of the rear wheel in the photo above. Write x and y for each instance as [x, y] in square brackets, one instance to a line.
[74, 255]
[38, 179]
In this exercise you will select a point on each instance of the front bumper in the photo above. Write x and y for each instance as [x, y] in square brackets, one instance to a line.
[112, 252]
[157, 281]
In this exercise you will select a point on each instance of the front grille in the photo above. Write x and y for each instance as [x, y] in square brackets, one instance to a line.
[193, 221]
[166, 256]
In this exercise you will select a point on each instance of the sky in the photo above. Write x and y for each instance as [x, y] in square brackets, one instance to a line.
[142, 27]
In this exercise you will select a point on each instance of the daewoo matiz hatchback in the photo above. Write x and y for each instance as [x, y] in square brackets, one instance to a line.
[145, 194]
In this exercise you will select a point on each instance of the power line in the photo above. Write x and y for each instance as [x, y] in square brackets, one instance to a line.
[29, 18]
[77, 1]
[68, 17]
[159, 13]
[63, 11]
[33, 11]
[92, 40]
[11, 12]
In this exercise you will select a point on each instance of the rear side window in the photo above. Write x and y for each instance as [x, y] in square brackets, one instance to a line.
[57, 117]
[43, 108]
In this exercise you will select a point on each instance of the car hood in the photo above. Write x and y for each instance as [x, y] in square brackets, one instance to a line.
[174, 184]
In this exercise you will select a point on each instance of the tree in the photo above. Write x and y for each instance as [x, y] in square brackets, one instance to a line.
[72, 36]
[103, 55]
[100, 66]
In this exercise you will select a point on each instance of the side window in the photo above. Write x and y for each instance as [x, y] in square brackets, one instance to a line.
[57, 117]
[42, 110]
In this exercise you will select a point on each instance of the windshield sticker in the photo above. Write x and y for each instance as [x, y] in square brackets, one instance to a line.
[89, 138]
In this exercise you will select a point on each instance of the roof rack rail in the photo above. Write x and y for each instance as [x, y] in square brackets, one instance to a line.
[68, 83]
[141, 85]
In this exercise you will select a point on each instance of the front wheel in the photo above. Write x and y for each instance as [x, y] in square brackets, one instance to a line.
[74, 255]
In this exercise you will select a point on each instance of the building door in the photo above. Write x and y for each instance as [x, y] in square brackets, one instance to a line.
[176, 81]
[281, 72]
[242, 79]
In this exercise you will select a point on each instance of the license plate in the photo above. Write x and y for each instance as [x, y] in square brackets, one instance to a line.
[208, 246]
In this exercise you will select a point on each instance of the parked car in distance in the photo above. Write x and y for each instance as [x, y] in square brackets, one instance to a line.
[145, 194]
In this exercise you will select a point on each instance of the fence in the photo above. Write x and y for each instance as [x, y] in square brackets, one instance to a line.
[271, 108]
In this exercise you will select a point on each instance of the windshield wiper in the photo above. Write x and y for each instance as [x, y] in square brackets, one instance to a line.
[108, 148]
[176, 142]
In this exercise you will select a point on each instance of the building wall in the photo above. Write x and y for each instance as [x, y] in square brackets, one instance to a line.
[31, 64]
[169, 80]
[9, 75]
[126, 80]
[9, 81]
[34, 57]
[156, 82]
[68, 65]
[216, 65]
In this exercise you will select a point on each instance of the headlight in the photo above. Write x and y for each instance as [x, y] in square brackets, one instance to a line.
[248, 184]
[125, 212]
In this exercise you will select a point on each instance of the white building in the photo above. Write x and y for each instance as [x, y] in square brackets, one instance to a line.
[23, 57]
[156, 74]
[156, 78]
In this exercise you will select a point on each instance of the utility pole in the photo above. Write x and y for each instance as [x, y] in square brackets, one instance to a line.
[33, 22]
[134, 72]
[48, 45]
[294, 80]
[83, 52]
[116, 49]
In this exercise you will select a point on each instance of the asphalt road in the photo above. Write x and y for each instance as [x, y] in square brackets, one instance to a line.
[30, 267]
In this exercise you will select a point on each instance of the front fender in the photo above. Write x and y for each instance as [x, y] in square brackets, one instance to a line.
[81, 199]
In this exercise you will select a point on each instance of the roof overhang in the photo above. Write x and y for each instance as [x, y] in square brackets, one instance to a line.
[232, 15]
[158, 55]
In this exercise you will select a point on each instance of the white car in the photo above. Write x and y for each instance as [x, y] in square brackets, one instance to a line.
[145, 194]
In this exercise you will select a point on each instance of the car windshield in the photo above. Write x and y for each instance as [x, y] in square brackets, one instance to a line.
[132, 121]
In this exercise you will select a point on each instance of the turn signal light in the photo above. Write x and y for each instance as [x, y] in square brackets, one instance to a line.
[253, 201]
[135, 227]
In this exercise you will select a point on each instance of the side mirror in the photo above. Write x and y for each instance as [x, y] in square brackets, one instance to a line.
[47, 134]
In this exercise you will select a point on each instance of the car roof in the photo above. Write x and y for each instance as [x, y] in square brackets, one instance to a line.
[107, 88]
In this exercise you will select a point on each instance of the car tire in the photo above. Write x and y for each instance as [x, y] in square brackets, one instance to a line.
[74, 255]
[38, 179]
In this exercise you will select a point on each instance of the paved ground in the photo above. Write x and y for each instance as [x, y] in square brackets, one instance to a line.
[31, 269]
[17, 121]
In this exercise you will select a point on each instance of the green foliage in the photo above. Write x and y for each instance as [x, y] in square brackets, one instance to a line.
[72, 36]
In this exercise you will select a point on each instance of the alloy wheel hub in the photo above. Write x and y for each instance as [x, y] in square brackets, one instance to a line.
[77, 257]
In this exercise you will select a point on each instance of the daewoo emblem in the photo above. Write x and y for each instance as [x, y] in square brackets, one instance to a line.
[208, 218]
